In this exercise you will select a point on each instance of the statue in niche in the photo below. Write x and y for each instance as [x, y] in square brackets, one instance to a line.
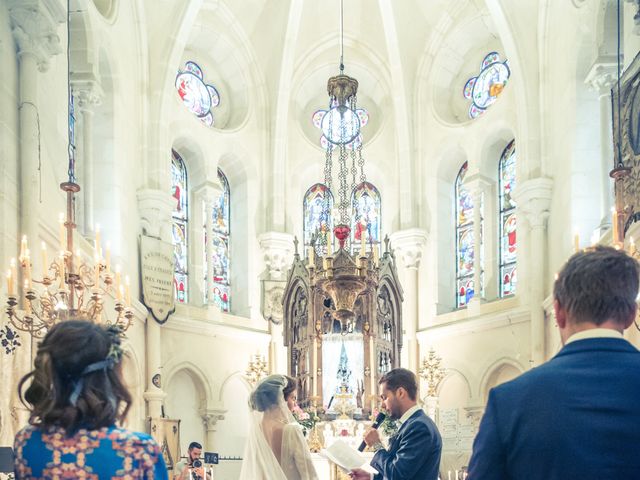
[295, 354]
[359, 394]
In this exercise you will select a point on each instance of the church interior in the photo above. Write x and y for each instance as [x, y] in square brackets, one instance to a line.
[174, 166]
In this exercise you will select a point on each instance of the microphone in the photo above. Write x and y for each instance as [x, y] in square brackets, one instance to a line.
[330, 402]
[376, 424]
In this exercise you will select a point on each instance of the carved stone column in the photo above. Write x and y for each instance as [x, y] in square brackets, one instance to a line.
[480, 188]
[204, 198]
[601, 78]
[210, 418]
[533, 198]
[88, 95]
[409, 245]
[155, 207]
[34, 26]
[277, 249]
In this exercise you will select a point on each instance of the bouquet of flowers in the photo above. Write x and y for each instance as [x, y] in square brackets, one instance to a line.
[307, 418]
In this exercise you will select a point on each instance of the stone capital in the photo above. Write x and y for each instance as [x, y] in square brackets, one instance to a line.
[533, 199]
[277, 249]
[602, 74]
[87, 91]
[409, 244]
[210, 417]
[155, 207]
[208, 191]
[34, 25]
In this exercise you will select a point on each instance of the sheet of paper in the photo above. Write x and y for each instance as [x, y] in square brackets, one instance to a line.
[346, 457]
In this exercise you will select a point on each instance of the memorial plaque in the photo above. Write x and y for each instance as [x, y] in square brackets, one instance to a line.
[157, 266]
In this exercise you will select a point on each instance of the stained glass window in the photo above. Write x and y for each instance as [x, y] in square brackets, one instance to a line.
[366, 208]
[220, 289]
[199, 97]
[179, 191]
[508, 245]
[317, 206]
[483, 90]
[346, 130]
[465, 257]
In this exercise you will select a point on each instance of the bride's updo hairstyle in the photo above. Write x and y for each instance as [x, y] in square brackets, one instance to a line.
[268, 394]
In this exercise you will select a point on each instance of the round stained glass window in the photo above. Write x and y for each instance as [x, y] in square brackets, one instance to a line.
[340, 125]
[484, 89]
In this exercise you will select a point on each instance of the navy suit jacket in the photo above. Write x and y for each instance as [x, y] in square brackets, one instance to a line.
[576, 417]
[414, 452]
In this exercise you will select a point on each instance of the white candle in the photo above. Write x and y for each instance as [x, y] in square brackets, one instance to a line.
[363, 243]
[375, 255]
[97, 245]
[27, 270]
[118, 286]
[9, 283]
[315, 366]
[108, 258]
[127, 289]
[62, 279]
[615, 226]
[449, 474]
[311, 258]
[457, 478]
[23, 247]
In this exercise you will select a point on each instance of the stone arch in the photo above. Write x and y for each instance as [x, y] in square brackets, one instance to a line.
[134, 378]
[500, 371]
[451, 386]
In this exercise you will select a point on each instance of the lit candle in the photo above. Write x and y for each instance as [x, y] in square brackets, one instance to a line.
[9, 283]
[329, 245]
[45, 263]
[372, 365]
[78, 258]
[27, 269]
[457, 478]
[97, 273]
[23, 248]
[27, 303]
[315, 366]
[615, 226]
[120, 292]
[127, 290]
[118, 286]
[449, 474]
[576, 243]
[108, 257]
[363, 243]
[375, 255]
[97, 245]
[61, 231]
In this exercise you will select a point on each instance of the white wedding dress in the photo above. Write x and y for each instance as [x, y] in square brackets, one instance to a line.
[266, 430]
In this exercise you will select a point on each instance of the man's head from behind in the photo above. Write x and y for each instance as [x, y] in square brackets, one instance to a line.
[597, 287]
[195, 449]
[398, 390]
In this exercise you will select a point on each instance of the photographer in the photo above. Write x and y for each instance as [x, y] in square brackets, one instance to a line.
[186, 469]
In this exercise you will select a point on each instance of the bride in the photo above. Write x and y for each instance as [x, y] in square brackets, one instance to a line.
[276, 448]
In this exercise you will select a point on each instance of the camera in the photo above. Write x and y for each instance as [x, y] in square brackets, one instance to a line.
[197, 463]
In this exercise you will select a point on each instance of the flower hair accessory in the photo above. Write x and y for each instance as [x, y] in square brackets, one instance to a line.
[113, 357]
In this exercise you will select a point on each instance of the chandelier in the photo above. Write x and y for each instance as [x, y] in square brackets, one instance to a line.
[342, 276]
[432, 372]
[70, 287]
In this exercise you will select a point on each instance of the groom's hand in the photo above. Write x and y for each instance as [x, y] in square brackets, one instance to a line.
[359, 474]
[371, 436]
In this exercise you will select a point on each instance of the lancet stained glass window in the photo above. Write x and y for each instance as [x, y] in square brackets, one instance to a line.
[465, 254]
[199, 97]
[483, 90]
[180, 192]
[317, 216]
[508, 245]
[220, 289]
[366, 208]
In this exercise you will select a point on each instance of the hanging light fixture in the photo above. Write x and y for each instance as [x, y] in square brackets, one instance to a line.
[70, 288]
[342, 276]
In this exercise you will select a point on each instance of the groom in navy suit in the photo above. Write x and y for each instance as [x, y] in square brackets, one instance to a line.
[414, 452]
[576, 417]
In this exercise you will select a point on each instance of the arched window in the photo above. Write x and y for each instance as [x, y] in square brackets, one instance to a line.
[180, 191]
[483, 89]
[464, 241]
[508, 246]
[366, 208]
[317, 206]
[199, 97]
[220, 289]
